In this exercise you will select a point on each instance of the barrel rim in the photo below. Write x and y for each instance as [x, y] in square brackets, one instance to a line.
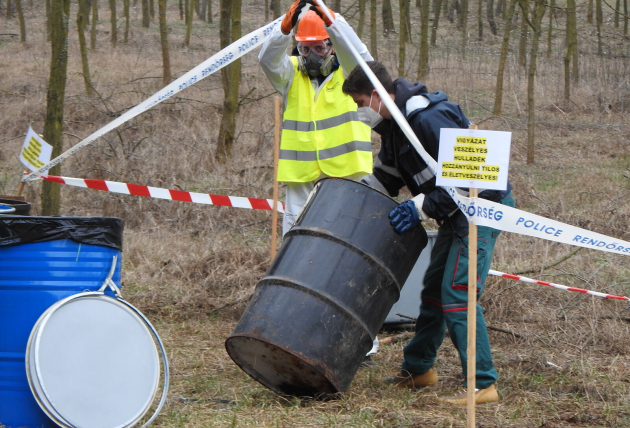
[360, 184]
[320, 371]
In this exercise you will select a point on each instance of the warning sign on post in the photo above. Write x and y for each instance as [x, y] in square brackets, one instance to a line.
[473, 158]
[35, 151]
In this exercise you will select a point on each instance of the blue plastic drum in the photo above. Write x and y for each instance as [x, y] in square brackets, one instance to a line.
[76, 255]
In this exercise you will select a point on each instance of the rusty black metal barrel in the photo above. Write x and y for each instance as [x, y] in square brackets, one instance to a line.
[315, 313]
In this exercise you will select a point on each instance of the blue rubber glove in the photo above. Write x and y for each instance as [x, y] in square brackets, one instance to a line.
[404, 217]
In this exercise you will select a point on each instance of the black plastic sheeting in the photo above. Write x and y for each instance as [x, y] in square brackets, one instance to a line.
[102, 231]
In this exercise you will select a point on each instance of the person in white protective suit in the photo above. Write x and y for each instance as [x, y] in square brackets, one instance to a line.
[322, 134]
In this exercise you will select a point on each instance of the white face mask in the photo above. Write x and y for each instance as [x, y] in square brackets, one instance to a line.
[368, 116]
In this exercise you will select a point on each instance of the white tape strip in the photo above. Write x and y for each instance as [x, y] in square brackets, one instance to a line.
[487, 213]
[203, 70]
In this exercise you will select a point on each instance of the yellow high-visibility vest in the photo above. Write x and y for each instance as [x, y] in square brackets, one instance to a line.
[322, 135]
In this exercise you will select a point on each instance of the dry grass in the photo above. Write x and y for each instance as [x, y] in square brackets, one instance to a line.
[190, 268]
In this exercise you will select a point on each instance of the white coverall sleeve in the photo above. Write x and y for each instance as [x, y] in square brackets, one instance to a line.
[275, 62]
[419, 201]
[345, 57]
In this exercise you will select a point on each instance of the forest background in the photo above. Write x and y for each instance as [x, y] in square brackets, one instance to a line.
[563, 359]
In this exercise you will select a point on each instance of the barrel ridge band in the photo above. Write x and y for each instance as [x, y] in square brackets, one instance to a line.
[278, 280]
[322, 233]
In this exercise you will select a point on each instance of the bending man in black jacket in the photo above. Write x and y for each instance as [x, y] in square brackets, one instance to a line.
[445, 293]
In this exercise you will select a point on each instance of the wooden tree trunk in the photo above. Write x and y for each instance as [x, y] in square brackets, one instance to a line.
[9, 14]
[617, 12]
[146, 18]
[480, 19]
[552, 8]
[464, 24]
[202, 10]
[373, 31]
[567, 63]
[210, 12]
[423, 56]
[152, 9]
[114, 22]
[126, 7]
[81, 22]
[490, 16]
[336, 5]
[522, 44]
[361, 26]
[408, 21]
[277, 8]
[181, 10]
[437, 7]
[388, 17]
[574, 44]
[48, 21]
[589, 12]
[166, 58]
[53, 125]
[266, 10]
[189, 20]
[89, 11]
[501, 9]
[625, 17]
[507, 30]
[599, 19]
[93, 25]
[539, 12]
[231, 76]
[402, 36]
[18, 6]
[449, 11]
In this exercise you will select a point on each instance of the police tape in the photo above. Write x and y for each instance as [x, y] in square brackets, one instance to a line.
[168, 194]
[211, 65]
[481, 211]
[561, 287]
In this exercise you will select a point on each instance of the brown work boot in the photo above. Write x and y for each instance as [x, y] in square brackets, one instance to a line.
[404, 379]
[486, 395]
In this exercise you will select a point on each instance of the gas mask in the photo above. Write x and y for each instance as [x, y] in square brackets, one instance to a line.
[311, 64]
[368, 116]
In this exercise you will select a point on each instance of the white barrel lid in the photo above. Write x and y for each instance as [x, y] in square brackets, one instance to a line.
[93, 363]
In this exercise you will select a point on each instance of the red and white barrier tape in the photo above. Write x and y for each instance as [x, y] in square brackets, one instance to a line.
[169, 194]
[562, 287]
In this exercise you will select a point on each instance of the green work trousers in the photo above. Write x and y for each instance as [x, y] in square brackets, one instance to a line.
[445, 303]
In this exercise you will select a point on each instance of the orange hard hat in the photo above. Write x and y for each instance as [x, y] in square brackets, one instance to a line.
[311, 27]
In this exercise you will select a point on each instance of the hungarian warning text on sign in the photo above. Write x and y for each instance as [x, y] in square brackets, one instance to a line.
[35, 151]
[473, 158]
